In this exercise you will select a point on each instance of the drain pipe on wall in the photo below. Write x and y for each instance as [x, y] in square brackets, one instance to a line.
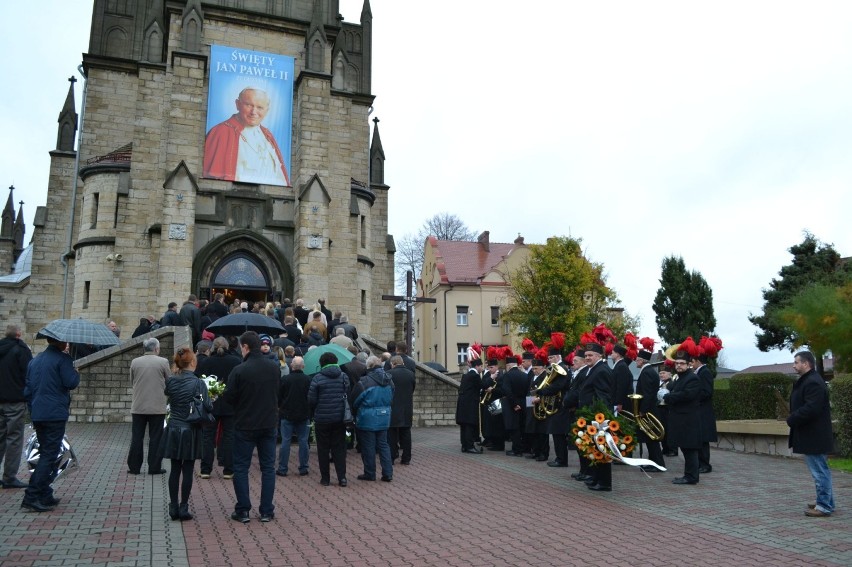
[446, 358]
[63, 257]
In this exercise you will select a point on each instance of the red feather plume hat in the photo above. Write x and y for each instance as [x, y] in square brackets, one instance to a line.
[541, 355]
[491, 354]
[710, 345]
[647, 348]
[689, 346]
[528, 345]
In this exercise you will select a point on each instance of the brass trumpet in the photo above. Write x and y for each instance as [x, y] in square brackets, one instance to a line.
[549, 405]
[647, 422]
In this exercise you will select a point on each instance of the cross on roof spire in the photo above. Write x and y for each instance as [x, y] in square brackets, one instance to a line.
[72, 79]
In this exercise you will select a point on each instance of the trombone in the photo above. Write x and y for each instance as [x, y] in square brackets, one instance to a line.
[647, 422]
[549, 405]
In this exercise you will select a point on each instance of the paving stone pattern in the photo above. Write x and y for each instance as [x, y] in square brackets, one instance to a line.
[446, 508]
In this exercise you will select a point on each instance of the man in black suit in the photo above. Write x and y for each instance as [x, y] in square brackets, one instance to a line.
[516, 386]
[402, 410]
[579, 371]
[597, 386]
[467, 407]
[558, 424]
[647, 387]
[705, 410]
[682, 399]
[623, 378]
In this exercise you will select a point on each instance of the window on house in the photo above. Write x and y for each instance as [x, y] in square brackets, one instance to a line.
[96, 197]
[363, 302]
[461, 349]
[461, 315]
[435, 318]
[495, 316]
[363, 231]
[86, 289]
[505, 328]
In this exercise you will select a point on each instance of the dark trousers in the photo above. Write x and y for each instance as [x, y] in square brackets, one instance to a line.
[375, 443]
[12, 420]
[223, 450]
[663, 414]
[655, 452]
[400, 440]
[331, 442]
[560, 447]
[704, 455]
[245, 441]
[154, 423]
[690, 467]
[541, 444]
[585, 464]
[49, 435]
[603, 474]
[468, 433]
[517, 437]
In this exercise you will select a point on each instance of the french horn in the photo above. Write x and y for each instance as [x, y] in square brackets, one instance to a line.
[647, 422]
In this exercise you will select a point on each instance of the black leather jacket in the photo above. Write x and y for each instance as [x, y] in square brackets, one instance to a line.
[180, 389]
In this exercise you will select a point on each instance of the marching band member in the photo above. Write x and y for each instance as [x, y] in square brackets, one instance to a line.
[647, 386]
[597, 386]
[537, 428]
[684, 419]
[467, 407]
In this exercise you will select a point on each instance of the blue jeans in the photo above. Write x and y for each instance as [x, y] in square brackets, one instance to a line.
[49, 434]
[245, 440]
[818, 465]
[370, 442]
[288, 428]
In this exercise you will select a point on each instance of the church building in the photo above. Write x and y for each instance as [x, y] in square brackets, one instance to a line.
[223, 146]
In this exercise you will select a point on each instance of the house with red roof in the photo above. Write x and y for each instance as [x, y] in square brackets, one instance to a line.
[468, 280]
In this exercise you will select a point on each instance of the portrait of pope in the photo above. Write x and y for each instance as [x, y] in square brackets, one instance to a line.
[241, 148]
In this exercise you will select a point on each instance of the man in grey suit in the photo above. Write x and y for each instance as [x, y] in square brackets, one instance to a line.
[148, 373]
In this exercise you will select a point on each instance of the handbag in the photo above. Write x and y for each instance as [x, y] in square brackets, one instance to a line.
[347, 409]
[198, 412]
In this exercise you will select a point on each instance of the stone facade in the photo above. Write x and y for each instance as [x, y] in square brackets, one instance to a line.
[132, 224]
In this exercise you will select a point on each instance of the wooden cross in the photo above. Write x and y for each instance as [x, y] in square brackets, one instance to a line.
[409, 300]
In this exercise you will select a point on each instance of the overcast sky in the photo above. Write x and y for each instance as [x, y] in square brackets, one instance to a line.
[715, 131]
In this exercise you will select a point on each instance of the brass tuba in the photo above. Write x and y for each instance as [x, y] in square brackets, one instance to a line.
[549, 405]
[647, 422]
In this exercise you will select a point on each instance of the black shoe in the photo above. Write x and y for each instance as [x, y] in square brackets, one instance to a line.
[530, 456]
[134, 472]
[161, 471]
[541, 459]
[514, 454]
[52, 501]
[343, 482]
[684, 480]
[15, 483]
[174, 514]
[366, 477]
[649, 468]
[183, 512]
[589, 480]
[599, 487]
[303, 473]
[241, 517]
[473, 451]
[581, 477]
[36, 506]
[387, 478]
[405, 462]
[556, 463]
[705, 470]
[325, 482]
[267, 517]
[280, 473]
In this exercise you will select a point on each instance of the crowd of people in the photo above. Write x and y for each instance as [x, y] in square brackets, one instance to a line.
[268, 397]
[527, 400]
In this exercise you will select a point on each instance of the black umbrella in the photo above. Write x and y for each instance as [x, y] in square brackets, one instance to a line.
[436, 366]
[239, 323]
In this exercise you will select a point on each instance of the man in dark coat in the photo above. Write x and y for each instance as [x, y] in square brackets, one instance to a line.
[536, 429]
[810, 430]
[294, 413]
[253, 392]
[402, 410]
[515, 387]
[684, 431]
[15, 355]
[597, 386]
[493, 428]
[579, 371]
[50, 378]
[171, 318]
[190, 315]
[647, 387]
[293, 332]
[559, 423]
[623, 377]
[467, 407]
[705, 410]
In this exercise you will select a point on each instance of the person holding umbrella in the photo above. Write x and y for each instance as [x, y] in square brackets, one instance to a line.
[50, 378]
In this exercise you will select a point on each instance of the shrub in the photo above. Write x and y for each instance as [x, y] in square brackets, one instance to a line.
[841, 412]
[755, 396]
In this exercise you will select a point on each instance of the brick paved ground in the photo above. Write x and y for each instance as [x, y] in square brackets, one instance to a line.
[447, 508]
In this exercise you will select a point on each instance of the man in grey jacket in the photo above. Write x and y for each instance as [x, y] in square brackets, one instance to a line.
[148, 373]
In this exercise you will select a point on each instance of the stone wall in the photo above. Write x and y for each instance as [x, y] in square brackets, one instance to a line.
[105, 390]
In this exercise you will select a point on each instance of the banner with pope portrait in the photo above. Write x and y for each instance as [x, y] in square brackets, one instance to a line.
[249, 116]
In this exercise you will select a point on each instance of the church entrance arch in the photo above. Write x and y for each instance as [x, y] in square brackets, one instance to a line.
[243, 265]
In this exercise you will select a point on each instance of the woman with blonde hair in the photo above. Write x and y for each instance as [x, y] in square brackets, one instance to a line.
[183, 441]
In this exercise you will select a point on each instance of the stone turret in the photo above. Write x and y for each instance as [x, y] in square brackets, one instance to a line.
[67, 129]
[7, 241]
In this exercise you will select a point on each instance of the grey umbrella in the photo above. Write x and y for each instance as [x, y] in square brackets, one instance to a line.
[239, 323]
[78, 331]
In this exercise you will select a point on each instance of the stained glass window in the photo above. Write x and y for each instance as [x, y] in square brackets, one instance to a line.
[240, 272]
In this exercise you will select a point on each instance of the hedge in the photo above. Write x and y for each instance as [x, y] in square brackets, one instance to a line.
[753, 396]
[841, 412]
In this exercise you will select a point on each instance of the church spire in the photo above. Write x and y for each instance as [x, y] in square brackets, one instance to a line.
[377, 157]
[18, 231]
[366, 12]
[67, 129]
[8, 216]
[316, 41]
